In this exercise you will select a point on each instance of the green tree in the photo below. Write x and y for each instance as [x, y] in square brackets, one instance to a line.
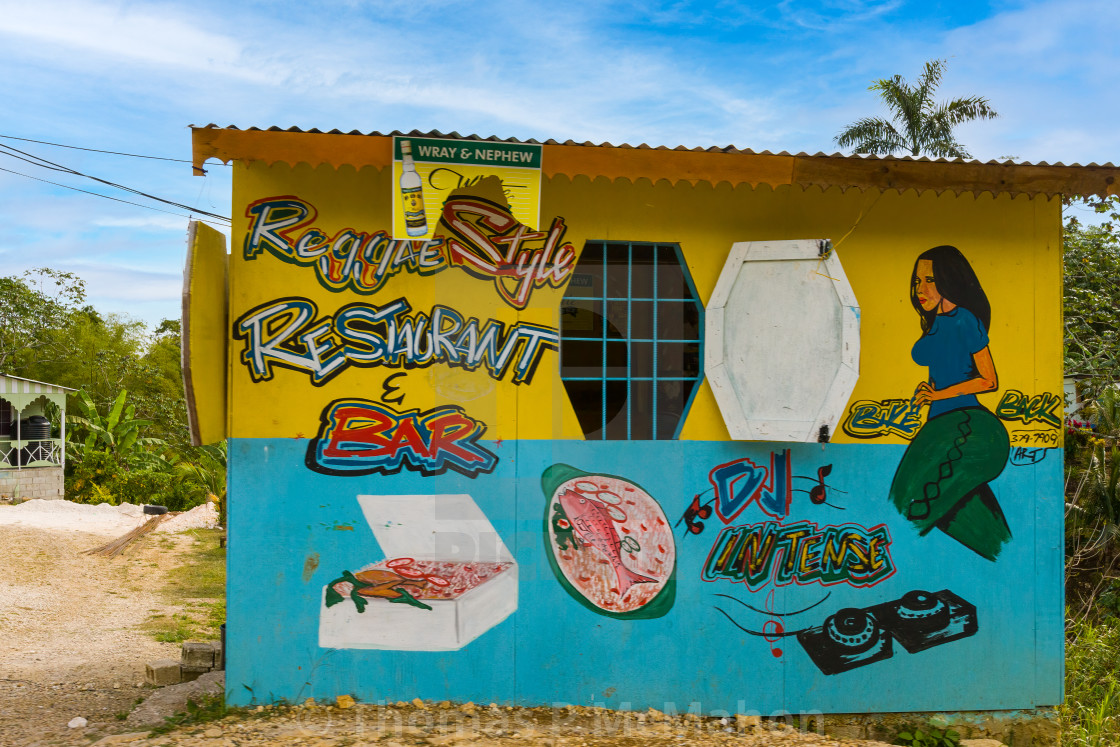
[108, 353]
[920, 125]
[1091, 298]
[32, 309]
[157, 383]
[127, 435]
[102, 351]
[1092, 443]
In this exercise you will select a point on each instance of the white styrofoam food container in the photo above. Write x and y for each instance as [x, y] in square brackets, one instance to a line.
[426, 527]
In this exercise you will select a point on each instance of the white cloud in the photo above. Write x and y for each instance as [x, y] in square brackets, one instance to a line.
[131, 75]
[119, 285]
[169, 223]
[1042, 67]
[509, 68]
[830, 15]
[149, 33]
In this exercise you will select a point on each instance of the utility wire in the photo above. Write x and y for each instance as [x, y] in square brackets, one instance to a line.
[8, 150]
[98, 150]
[97, 194]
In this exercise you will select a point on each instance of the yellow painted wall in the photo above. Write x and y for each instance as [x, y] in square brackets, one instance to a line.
[1013, 244]
[288, 405]
[205, 336]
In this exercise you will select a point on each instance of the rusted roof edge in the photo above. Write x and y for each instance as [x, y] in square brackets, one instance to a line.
[712, 165]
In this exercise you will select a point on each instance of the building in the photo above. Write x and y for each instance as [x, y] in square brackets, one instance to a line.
[639, 427]
[31, 461]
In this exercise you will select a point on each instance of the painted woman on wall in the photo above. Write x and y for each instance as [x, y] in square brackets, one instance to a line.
[942, 480]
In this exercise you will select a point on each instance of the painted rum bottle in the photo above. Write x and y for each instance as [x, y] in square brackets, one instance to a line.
[412, 194]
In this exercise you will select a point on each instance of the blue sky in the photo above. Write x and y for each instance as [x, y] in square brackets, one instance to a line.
[788, 75]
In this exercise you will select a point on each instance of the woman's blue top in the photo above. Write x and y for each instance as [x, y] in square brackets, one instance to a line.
[947, 349]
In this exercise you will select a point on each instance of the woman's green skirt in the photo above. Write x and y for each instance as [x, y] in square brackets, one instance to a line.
[942, 480]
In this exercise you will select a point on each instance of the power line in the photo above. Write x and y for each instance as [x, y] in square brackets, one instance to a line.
[97, 194]
[98, 150]
[51, 165]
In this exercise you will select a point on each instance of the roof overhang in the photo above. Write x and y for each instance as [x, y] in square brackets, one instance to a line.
[714, 165]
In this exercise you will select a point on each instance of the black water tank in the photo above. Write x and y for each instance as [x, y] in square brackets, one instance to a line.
[34, 427]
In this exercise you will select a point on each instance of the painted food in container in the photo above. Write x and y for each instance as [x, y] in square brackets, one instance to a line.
[610, 543]
[411, 581]
[434, 579]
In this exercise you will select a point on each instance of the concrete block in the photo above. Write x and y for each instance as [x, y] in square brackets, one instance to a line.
[163, 672]
[190, 674]
[198, 654]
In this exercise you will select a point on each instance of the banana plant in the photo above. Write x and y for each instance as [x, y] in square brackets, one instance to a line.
[206, 469]
[116, 432]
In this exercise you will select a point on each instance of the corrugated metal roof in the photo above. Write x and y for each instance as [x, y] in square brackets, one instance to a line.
[681, 163]
[645, 146]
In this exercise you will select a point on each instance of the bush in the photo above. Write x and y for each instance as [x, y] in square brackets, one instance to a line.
[1091, 713]
[928, 736]
[1093, 502]
[100, 478]
[156, 487]
[140, 486]
[185, 495]
[87, 481]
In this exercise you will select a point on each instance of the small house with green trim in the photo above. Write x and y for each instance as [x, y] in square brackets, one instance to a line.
[32, 438]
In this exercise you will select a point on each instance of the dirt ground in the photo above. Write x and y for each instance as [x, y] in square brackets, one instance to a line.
[72, 644]
[70, 637]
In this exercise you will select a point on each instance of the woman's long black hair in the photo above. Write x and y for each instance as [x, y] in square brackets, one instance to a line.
[955, 281]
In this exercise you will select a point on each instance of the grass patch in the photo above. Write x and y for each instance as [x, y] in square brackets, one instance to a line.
[207, 708]
[1090, 715]
[180, 627]
[203, 574]
[198, 585]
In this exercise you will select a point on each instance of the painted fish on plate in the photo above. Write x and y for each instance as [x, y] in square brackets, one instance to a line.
[610, 544]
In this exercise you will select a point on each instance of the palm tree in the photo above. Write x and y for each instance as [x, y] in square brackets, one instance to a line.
[920, 125]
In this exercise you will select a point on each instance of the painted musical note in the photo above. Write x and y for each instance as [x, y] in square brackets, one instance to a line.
[696, 510]
[818, 495]
[772, 630]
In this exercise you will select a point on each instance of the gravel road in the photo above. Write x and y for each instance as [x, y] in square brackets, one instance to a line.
[70, 637]
[71, 645]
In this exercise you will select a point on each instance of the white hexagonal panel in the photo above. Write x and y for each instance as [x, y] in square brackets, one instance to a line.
[782, 340]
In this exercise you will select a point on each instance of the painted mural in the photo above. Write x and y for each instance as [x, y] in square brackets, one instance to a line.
[918, 620]
[943, 479]
[451, 587]
[410, 479]
[359, 437]
[758, 558]
[609, 543]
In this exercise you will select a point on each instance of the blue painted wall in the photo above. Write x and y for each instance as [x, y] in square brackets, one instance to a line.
[294, 530]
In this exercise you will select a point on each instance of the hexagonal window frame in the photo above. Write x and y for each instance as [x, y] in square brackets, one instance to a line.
[628, 380]
[804, 279]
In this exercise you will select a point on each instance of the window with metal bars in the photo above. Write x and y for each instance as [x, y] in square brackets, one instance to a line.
[631, 327]
[7, 430]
